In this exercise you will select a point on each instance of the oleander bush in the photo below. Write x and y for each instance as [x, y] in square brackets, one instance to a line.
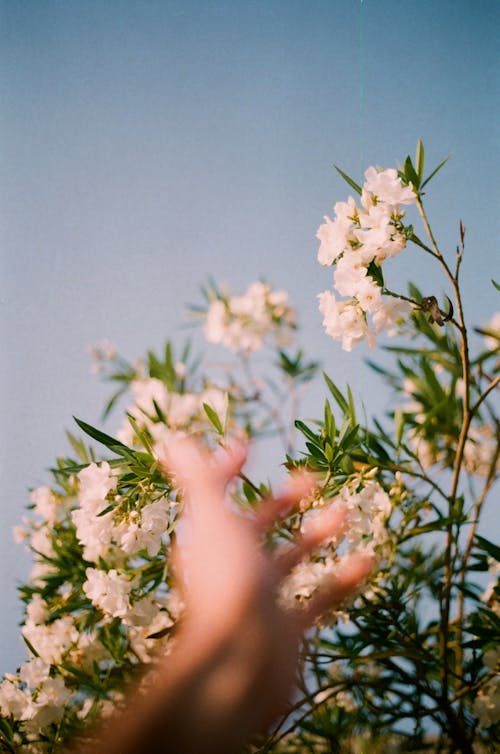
[412, 664]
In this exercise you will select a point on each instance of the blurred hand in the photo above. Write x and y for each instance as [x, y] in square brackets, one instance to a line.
[230, 584]
[231, 671]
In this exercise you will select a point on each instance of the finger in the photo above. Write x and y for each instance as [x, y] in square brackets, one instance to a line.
[329, 523]
[197, 470]
[353, 570]
[299, 486]
[228, 461]
[181, 456]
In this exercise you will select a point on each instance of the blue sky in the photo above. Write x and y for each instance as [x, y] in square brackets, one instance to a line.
[147, 145]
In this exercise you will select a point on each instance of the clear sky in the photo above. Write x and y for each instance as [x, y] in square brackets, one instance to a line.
[147, 144]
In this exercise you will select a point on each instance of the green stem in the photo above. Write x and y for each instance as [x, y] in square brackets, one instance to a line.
[459, 455]
[411, 301]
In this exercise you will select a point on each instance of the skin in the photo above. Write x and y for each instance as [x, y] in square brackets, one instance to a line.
[232, 668]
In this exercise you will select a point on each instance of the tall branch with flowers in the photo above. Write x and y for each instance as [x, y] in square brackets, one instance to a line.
[412, 663]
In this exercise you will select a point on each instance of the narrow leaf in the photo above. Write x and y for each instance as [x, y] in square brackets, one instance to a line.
[348, 180]
[410, 173]
[489, 547]
[434, 172]
[420, 159]
[102, 437]
[339, 398]
[306, 431]
[213, 418]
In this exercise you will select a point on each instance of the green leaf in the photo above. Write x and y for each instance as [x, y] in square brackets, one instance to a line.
[434, 172]
[438, 524]
[420, 159]
[316, 452]
[30, 646]
[348, 435]
[111, 403]
[409, 172]
[375, 272]
[497, 285]
[399, 424]
[329, 422]
[306, 431]
[348, 180]
[352, 408]
[489, 547]
[102, 437]
[213, 418]
[339, 398]
[79, 448]
[249, 493]
[141, 435]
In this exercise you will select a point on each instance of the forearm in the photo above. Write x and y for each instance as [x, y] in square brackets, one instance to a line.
[195, 702]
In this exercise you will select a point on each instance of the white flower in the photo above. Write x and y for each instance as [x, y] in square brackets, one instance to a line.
[345, 321]
[34, 671]
[40, 571]
[108, 591]
[49, 704]
[349, 274]
[378, 234]
[51, 640]
[85, 708]
[45, 503]
[20, 534]
[182, 407]
[37, 610]
[88, 651]
[148, 392]
[334, 235]
[145, 534]
[304, 580]
[41, 541]
[143, 612]
[368, 295]
[389, 314]
[387, 186]
[95, 482]
[95, 532]
[242, 323]
[13, 700]
[215, 323]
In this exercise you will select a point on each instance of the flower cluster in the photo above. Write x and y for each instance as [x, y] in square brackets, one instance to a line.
[102, 598]
[357, 241]
[156, 407]
[367, 507]
[242, 323]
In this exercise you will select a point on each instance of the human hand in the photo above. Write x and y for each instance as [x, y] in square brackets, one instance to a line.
[232, 666]
[230, 585]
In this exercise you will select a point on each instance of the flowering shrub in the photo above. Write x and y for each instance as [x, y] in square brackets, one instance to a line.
[414, 660]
